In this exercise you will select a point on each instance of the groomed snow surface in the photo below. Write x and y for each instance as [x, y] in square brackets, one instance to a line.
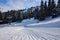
[21, 33]
[31, 30]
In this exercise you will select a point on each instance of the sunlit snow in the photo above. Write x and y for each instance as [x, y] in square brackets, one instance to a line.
[30, 29]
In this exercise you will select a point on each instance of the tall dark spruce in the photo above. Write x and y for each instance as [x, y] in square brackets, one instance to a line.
[58, 7]
[45, 9]
[49, 8]
[42, 12]
[0, 17]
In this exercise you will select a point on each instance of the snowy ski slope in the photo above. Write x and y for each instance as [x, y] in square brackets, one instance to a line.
[30, 30]
[21, 33]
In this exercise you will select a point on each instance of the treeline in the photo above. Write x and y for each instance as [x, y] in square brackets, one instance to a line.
[39, 12]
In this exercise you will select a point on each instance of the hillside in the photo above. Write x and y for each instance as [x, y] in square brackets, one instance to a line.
[49, 22]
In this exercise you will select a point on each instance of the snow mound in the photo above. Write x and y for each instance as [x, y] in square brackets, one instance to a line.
[51, 23]
[25, 22]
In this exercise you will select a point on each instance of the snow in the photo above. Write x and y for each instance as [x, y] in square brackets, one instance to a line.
[18, 33]
[47, 23]
[25, 22]
[29, 29]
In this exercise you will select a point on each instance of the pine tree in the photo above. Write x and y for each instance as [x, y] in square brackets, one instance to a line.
[42, 4]
[54, 14]
[1, 17]
[49, 3]
[49, 8]
[53, 4]
[46, 14]
[20, 15]
[45, 4]
[42, 11]
[58, 5]
[36, 13]
[5, 14]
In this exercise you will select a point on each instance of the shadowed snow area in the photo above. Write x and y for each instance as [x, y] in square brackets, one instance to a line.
[47, 23]
[23, 23]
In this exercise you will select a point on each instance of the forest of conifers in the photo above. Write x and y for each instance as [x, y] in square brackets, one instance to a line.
[40, 12]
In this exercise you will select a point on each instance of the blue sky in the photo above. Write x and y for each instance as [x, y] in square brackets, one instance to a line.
[18, 4]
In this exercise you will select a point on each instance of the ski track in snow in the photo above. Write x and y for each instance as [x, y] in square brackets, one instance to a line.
[26, 34]
[26, 30]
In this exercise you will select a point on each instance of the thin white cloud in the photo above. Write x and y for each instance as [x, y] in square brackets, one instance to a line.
[16, 4]
[4, 8]
[20, 4]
